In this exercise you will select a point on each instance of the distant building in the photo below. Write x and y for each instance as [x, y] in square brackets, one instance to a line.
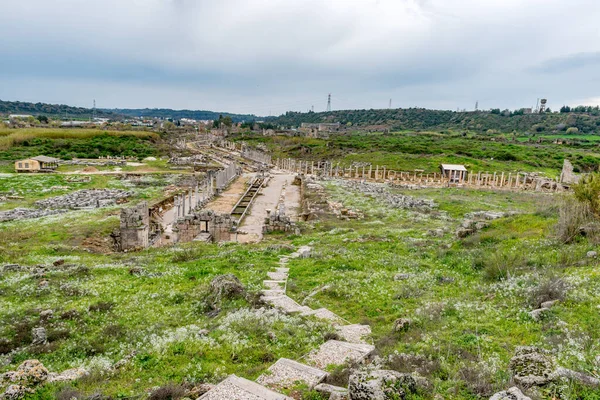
[322, 127]
[19, 116]
[455, 173]
[37, 164]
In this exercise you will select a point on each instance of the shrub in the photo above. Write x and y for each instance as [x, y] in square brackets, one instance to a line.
[573, 217]
[572, 130]
[552, 289]
[102, 306]
[501, 264]
[169, 392]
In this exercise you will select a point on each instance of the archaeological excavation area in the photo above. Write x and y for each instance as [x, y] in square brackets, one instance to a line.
[230, 270]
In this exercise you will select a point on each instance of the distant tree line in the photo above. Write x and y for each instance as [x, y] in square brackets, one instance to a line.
[584, 119]
[178, 114]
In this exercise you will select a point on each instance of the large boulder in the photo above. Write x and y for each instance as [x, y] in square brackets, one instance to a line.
[380, 385]
[29, 373]
[511, 394]
[532, 366]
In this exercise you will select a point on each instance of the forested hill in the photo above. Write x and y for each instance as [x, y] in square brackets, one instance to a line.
[178, 114]
[585, 119]
[61, 110]
[50, 110]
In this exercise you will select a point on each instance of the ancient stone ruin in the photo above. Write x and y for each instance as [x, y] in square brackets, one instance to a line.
[135, 227]
[205, 225]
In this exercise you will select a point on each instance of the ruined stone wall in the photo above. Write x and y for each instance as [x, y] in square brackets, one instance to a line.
[567, 176]
[135, 227]
[256, 155]
[220, 226]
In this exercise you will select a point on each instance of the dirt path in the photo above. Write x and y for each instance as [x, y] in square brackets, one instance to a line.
[267, 200]
[226, 200]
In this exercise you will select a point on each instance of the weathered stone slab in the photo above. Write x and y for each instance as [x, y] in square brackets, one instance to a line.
[285, 303]
[286, 373]
[335, 352]
[338, 392]
[277, 276]
[282, 270]
[236, 388]
[323, 313]
[273, 292]
[354, 333]
[274, 285]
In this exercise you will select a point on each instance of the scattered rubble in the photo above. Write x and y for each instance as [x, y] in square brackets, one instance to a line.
[380, 385]
[532, 366]
[511, 394]
[81, 199]
[477, 221]
[382, 192]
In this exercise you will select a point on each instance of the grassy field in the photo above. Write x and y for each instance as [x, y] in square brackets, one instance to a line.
[406, 151]
[466, 318]
[81, 143]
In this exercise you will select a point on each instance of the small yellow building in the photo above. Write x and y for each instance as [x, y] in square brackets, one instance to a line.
[37, 164]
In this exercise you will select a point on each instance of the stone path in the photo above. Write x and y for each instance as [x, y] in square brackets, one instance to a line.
[286, 373]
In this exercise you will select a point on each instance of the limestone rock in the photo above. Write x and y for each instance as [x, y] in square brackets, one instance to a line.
[531, 366]
[538, 314]
[68, 375]
[29, 373]
[592, 254]
[15, 392]
[401, 324]
[39, 335]
[380, 385]
[511, 394]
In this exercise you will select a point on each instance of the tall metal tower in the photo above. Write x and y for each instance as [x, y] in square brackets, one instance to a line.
[329, 103]
[94, 111]
[477, 105]
[390, 106]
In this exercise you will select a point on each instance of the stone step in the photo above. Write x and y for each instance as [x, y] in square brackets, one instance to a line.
[323, 313]
[285, 303]
[272, 292]
[354, 333]
[286, 373]
[236, 388]
[282, 270]
[274, 285]
[334, 392]
[334, 352]
[277, 276]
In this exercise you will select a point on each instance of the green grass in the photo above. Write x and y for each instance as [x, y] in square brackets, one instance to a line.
[407, 151]
[85, 143]
[465, 319]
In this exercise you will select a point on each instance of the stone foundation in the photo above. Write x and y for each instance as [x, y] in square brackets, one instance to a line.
[219, 226]
[135, 227]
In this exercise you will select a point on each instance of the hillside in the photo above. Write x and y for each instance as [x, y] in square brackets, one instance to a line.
[60, 110]
[585, 119]
[178, 114]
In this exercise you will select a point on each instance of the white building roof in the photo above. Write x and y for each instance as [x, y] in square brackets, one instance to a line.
[453, 167]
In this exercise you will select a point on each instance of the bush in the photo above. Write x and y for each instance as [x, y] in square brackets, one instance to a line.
[572, 130]
[573, 217]
[552, 289]
[169, 392]
[501, 264]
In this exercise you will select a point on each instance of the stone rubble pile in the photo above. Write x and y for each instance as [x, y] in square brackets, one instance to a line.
[477, 221]
[394, 200]
[30, 375]
[81, 199]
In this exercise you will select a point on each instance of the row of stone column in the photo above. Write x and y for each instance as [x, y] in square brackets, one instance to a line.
[328, 169]
[186, 202]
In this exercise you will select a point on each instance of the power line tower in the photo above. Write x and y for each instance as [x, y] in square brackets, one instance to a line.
[329, 103]
[390, 106]
[94, 111]
[477, 105]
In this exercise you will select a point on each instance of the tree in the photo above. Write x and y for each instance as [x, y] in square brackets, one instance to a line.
[572, 130]
[43, 119]
[565, 109]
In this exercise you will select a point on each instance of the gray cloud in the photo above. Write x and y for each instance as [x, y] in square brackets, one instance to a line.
[270, 56]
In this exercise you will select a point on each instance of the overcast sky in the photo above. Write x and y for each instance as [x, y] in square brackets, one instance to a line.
[270, 56]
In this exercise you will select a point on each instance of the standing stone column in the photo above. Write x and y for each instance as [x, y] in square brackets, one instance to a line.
[370, 168]
[377, 172]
